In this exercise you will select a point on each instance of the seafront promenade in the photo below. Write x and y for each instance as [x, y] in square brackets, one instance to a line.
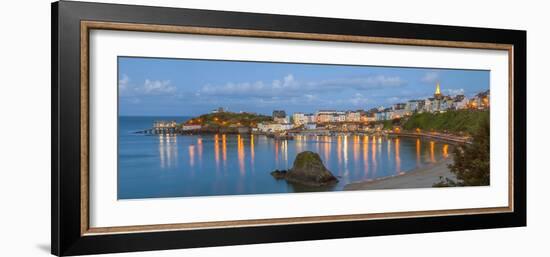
[171, 128]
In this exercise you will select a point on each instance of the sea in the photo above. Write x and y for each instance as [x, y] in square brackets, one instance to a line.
[159, 166]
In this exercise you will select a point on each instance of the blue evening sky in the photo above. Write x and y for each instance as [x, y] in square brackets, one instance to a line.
[181, 87]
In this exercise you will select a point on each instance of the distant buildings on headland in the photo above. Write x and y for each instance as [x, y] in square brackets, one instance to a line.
[218, 110]
[436, 104]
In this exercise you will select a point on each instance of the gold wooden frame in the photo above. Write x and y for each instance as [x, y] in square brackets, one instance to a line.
[86, 26]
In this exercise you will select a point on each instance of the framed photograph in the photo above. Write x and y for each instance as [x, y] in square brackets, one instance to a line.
[178, 128]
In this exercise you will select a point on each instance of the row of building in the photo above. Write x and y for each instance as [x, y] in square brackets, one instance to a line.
[436, 104]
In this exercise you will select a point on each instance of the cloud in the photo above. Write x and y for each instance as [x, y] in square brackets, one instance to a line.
[310, 98]
[395, 99]
[289, 86]
[148, 88]
[359, 100]
[364, 83]
[156, 87]
[285, 87]
[123, 82]
[459, 91]
[133, 100]
[430, 77]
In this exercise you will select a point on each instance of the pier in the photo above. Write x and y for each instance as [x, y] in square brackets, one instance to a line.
[161, 128]
[165, 127]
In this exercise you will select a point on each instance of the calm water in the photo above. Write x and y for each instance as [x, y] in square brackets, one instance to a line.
[175, 166]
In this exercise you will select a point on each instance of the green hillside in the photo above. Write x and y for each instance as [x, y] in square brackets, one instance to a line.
[226, 119]
[466, 121]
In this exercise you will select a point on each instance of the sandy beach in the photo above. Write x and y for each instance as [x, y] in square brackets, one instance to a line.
[418, 178]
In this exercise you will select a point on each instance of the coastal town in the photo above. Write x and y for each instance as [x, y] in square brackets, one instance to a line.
[325, 122]
[455, 120]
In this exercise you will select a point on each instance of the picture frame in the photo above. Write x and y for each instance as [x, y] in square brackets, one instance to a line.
[71, 26]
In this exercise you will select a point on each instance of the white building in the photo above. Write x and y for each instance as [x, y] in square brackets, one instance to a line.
[340, 117]
[353, 116]
[446, 104]
[286, 126]
[218, 110]
[310, 117]
[281, 120]
[460, 102]
[325, 116]
[299, 118]
[386, 114]
[269, 127]
[412, 106]
[190, 127]
[310, 126]
[428, 104]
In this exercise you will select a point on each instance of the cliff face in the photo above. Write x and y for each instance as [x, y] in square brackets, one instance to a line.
[308, 169]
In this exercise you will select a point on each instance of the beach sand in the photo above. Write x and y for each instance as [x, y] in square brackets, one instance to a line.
[417, 178]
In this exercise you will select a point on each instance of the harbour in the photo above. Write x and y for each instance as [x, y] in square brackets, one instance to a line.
[178, 165]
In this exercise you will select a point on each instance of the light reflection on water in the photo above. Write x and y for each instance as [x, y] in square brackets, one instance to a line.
[245, 161]
[397, 158]
[168, 150]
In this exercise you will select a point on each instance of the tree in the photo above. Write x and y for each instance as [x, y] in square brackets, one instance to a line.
[471, 162]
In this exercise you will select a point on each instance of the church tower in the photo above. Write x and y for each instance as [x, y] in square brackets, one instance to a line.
[437, 94]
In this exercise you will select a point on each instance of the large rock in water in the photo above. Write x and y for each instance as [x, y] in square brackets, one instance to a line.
[308, 169]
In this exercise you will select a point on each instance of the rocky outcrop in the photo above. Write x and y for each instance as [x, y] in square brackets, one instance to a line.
[279, 174]
[308, 169]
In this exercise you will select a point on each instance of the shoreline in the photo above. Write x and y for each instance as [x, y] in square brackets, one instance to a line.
[423, 177]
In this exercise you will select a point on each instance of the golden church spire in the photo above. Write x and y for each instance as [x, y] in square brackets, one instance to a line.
[437, 89]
